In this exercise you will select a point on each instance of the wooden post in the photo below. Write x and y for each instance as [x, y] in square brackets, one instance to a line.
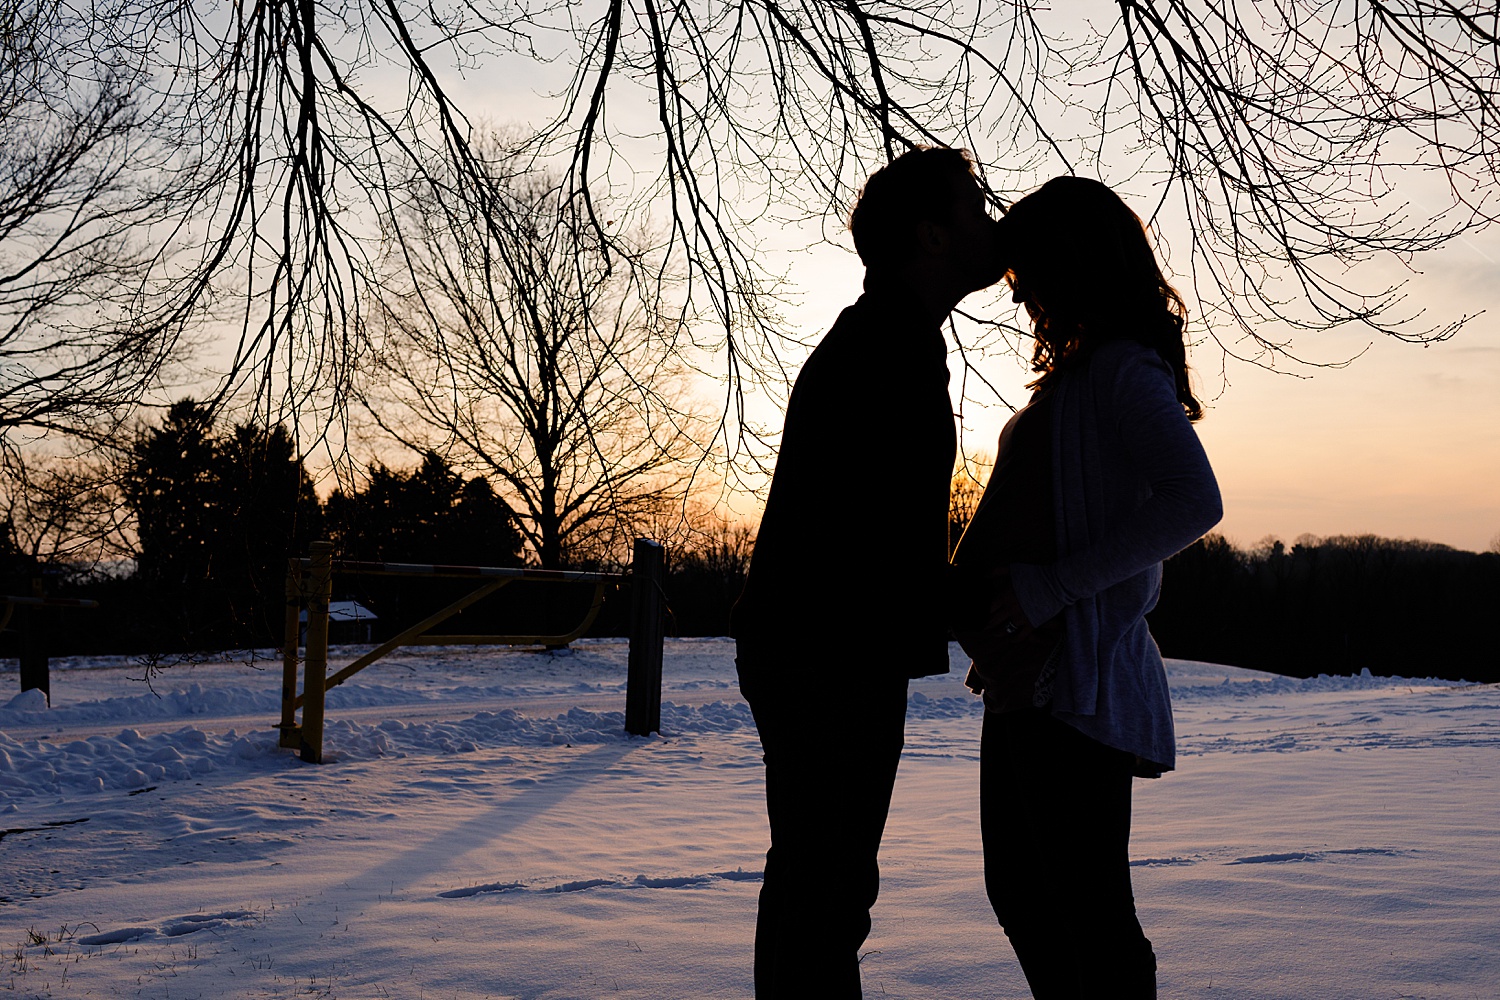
[291, 738]
[643, 678]
[315, 664]
[31, 623]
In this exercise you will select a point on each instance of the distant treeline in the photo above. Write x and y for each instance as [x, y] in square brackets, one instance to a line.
[217, 513]
[1334, 605]
[237, 602]
[1325, 605]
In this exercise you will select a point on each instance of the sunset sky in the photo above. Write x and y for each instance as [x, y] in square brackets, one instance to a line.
[1404, 442]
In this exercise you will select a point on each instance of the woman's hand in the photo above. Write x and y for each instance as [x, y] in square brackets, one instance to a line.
[1007, 649]
[991, 623]
[1003, 618]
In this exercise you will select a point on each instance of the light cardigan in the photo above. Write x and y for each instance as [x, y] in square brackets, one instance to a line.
[1131, 486]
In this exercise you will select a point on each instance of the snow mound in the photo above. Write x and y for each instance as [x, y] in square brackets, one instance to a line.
[130, 761]
[1272, 684]
[32, 700]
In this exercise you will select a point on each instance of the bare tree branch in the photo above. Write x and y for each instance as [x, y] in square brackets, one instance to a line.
[208, 165]
[527, 355]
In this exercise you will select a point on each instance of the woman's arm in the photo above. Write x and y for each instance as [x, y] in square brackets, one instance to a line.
[1184, 500]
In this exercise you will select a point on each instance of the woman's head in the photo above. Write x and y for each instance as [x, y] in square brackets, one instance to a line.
[1079, 259]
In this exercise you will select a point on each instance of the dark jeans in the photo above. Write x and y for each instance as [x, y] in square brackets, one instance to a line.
[829, 776]
[1054, 807]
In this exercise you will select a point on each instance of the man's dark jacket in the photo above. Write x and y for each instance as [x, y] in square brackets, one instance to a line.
[851, 559]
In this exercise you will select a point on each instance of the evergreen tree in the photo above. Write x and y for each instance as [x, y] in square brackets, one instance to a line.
[167, 485]
[430, 515]
[264, 509]
[482, 527]
[216, 517]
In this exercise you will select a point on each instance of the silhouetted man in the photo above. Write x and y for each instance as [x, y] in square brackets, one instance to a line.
[846, 587]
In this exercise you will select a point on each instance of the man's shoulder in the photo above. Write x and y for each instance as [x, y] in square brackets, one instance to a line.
[845, 343]
[882, 326]
[852, 320]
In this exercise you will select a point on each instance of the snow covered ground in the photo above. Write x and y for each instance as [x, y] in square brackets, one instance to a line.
[485, 830]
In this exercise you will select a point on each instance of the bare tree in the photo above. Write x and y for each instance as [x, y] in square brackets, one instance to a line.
[65, 512]
[965, 491]
[1281, 134]
[522, 353]
[87, 177]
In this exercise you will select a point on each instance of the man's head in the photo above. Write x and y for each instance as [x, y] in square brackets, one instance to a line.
[926, 207]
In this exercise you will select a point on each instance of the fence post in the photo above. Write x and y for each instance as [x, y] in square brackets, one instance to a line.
[31, 623]
[643, 679]
[315, 663]
[290, 738]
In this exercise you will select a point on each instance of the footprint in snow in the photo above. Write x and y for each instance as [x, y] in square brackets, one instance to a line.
[1272, 859]
[171, 928]
[580, 885]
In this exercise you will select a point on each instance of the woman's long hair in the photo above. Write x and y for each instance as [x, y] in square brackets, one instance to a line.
[1086, 260]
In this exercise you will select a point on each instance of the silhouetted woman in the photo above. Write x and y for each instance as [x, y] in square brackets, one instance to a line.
[1097, 480]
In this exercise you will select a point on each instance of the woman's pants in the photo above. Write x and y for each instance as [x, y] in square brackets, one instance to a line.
[1055, 815]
